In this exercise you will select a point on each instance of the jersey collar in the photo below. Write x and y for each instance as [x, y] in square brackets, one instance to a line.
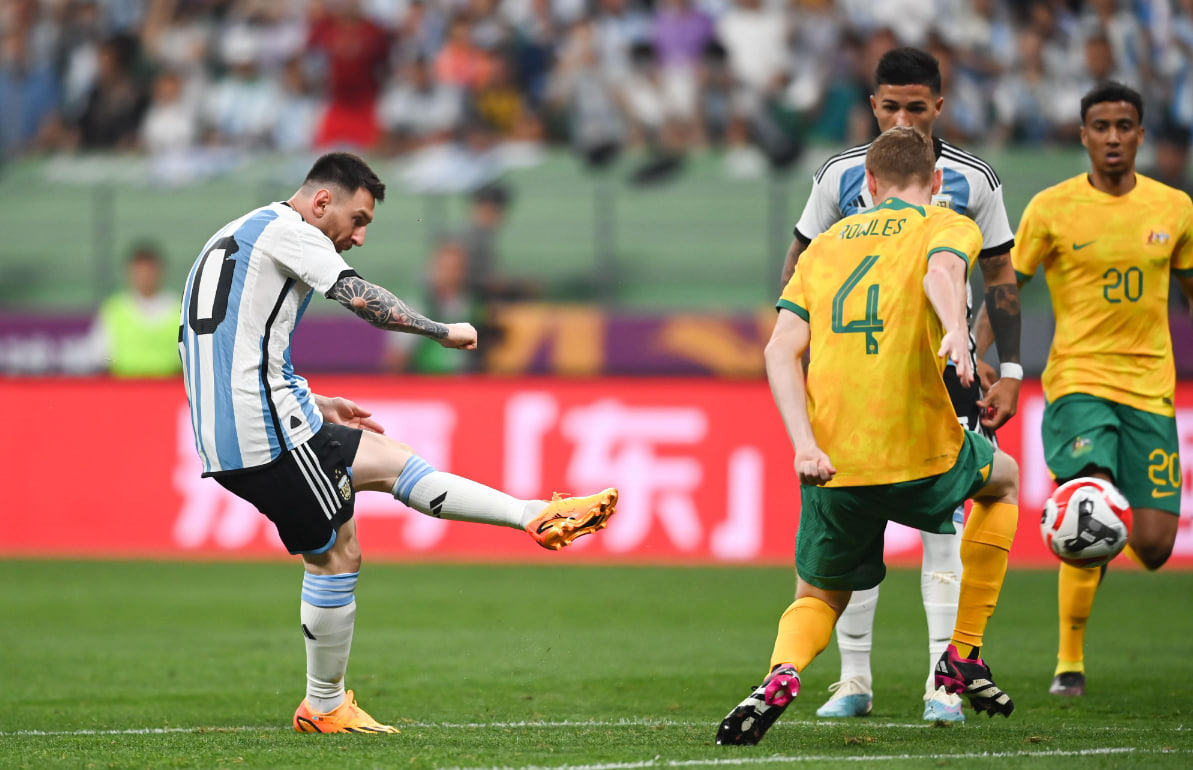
[897, 204]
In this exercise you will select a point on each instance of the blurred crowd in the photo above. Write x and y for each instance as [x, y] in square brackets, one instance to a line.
[759, 78]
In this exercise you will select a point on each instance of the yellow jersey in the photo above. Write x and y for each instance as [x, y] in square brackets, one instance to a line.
[1107, 261]
[878, 404]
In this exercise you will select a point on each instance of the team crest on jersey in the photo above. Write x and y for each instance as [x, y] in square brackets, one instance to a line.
[344, 485]
[942, 200]
[1081, 445]
[1157, 238]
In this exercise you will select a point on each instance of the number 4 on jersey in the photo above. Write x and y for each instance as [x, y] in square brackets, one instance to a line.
[871, 324]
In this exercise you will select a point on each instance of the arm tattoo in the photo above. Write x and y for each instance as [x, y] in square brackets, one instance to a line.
[1002, 306]
[382, 309]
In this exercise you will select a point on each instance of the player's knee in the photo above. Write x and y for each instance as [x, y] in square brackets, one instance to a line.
[1003, 485]
[1152, 555]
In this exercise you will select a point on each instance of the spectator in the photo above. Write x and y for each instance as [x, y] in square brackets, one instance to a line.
[135, 333]
[171, 121]
[486, 217]
[461, 62]
[587, 98]
[618, 25]
[1171, 163]
[299, 109]
[243, 106]
[680, 34]
[111, 119]
[538, 31]
[415, 111]
[500, 105]
[29, 95]
[1025, 100]
[446, 293]
[356, 52]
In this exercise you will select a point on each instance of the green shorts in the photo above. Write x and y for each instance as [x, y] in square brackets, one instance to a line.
[1140, 450]
[839, 543]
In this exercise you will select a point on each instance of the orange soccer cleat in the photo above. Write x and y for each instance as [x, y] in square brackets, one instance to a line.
[567, 518]
[346, 718]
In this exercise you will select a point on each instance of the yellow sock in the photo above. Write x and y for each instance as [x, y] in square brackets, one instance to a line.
[985, 544]
[804, 631]
[1076, 588]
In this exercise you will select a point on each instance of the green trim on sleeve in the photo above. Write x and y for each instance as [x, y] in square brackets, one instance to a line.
[1022, 277]
[964, 257]
[786, 304]
[1186, 272]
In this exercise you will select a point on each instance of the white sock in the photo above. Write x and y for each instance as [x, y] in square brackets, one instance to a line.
[940, 586]
[328, 616]
[447, 496]
[855, 634]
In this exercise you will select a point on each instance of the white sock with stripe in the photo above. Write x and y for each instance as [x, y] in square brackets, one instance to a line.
[447, 496]
[940, 586]
[855, 635]
[328, 617]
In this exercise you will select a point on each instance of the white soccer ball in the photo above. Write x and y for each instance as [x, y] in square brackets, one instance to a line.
[1086, 522]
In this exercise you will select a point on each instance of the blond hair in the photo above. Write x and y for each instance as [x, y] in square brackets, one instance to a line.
[901, 156]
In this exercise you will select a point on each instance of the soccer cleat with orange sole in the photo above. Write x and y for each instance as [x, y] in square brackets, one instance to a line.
[567, 518]
[345, 718]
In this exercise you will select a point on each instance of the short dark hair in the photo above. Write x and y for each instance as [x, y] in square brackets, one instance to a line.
[1112, 91]
[494, 192]
[145, 251]
[908, 67]
[343, 169]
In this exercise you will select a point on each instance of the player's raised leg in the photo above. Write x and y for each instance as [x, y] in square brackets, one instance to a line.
[940, 588]
[383, 464]
[985, 546]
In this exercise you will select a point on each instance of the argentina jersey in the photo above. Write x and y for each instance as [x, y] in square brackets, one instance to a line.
[244, 295]
[969, 187]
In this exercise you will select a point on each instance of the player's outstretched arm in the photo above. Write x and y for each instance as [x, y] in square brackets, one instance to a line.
[945, 286]
[1003, 325]
[380, 307]
[785, 372]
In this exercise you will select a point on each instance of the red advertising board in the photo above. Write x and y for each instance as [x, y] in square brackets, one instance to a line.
[96, 467]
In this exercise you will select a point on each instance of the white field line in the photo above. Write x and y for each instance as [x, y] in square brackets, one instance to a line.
[658, 762]
[859, 724]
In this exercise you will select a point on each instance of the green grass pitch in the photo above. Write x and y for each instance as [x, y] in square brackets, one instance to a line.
[138, 664]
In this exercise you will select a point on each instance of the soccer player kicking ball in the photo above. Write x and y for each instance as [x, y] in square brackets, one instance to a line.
[1108, 241]
[907, 92]
[880, 298]
[300, 458]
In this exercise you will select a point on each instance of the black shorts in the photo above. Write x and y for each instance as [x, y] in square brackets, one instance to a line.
[965, 402]
[307, 493]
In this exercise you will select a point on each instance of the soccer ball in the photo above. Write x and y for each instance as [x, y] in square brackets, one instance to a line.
[1086, 522]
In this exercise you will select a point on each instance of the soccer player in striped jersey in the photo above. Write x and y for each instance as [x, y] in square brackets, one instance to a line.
[879, 297]
[300, 457]
[907, 93]
[1109, 241]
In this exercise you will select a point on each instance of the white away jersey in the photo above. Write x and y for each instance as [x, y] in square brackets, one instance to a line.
[243, 297]
[970, 187]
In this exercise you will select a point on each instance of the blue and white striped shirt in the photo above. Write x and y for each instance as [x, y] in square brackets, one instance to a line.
[245, 294]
